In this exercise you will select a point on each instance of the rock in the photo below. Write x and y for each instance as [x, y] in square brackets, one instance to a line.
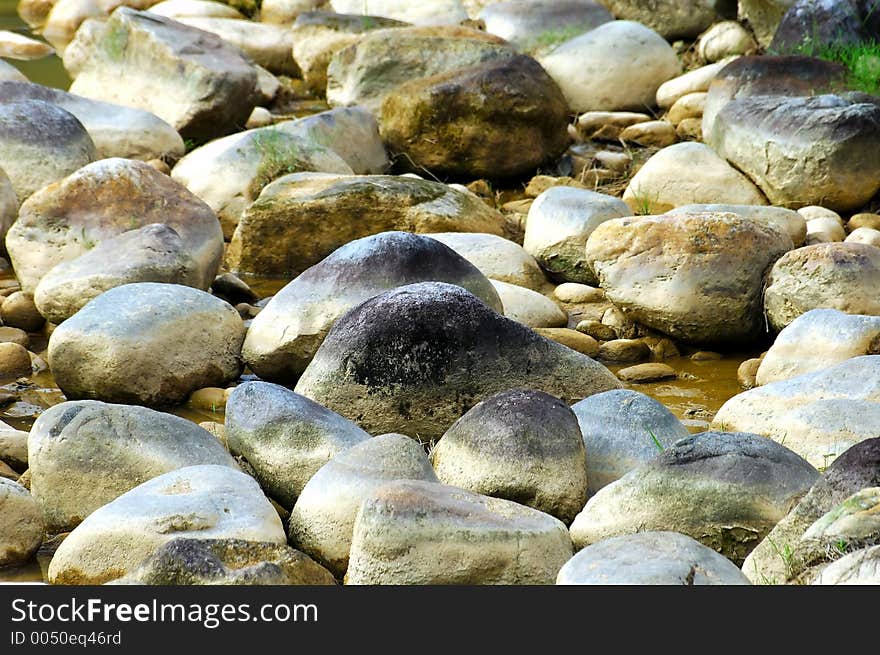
[230, 173]
[285, 437]
[726, 490]
[771, 76]
[764, 16]
[818, 415]
[14, 361]
[300, 219]
[232, 289]
[693, 81]
[785, 220]
[673, 18]
[524, 446]
[67, 16]
[572, 292]
[283, 338]
[39, 144]
[322, 521]
[34, 12]
[9, 73]
[559, 223]
[819, 25]
[607, 125]
[813, 212]
[775, 559]
[866, 235]
[410, 532]
[13, 447]
[703, 286]
[652, 133]
[188, 340]
[21, 524]
[816, 145]
[725, 39]
[18, 46]
[864, 220]
[685, 174]
[747, 373]
[498, 119]
[824, 230]
[534, 26]
[8, 204]
[529, 307]
[823, 276]
[101, 201]
[622, 430]
[365, 71]
[85, 454]
[153, 54]
[856, 568]
[433, 12]
[496, 257]
[18, 310]
[818, 339]
[460, 345]
[688, 106]
[193, 561]
[209, 399]
[318, 35]
[624, 350]
[690, 129]
[649, 558]
[623, 327]
[204, 502]
[582, 343]
[597, 330]
[193, 8]
[616, 66]
[115, 130]
[284, 12]
[646, 372]
[260, 117]
[706, 356]
[154, 253]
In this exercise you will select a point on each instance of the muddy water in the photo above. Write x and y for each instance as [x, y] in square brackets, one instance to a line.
[48, 71]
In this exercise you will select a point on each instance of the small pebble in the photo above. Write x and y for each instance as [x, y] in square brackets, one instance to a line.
[815, 211]
[653, 133]
[864, 219]
[705, 356]
[14, 335]
[260, 117]
[597, 330]
[232, 289]
[14, 360]
[646, 372]
[584, 344]
[662, 347]
[160, 166]
[212, 399]
[8, 473]
[624, 350]
[218, 430]
[616, 319]
[578, 293]
[747, 372]
[19, 310]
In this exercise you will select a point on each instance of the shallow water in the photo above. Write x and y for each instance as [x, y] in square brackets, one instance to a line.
[48, 71]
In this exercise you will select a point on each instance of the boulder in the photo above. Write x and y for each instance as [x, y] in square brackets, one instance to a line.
[154, 253]
[284, 336]
[498, 119]
[818, 339]
[803, 151]
[416, 358]
[204, 502]
[189, 78]
[13, 447]
[426, 12]
[725, 489]
[533, 25]
[9, 205]
[115, 130]
[559, 223]
[300, 219]
[785, 220]
[496, 257]
[673, 19]
[195, 561]
[861, 567]
[622, 430]
[650, 558]
[618, 65]
[84, 454]
[21, 524]
[529, 307]
[322, 521]
[764, 16]
[285, 437]
[100, 201]
[413, 532]
[819, 415]
[19, 311]
[812, 26]
[187, 340]
[686, 174]
[839, 276]
[365, 71]
[521, 445]
[39, 144]
[695, 277]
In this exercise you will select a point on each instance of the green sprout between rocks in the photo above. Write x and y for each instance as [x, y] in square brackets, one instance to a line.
[655, 439]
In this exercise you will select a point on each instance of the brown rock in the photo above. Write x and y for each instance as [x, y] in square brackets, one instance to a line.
[14, 360]
[646, 372]
[14, 335]
[624, 350]
[747, 373]
[19, 311]
[582, 343]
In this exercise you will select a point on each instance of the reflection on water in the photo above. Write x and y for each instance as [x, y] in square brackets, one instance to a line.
[48, 71]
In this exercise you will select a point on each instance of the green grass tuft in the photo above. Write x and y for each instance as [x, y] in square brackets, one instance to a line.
[862, 61]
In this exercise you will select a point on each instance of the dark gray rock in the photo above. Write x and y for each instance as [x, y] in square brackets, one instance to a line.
[416, 358]
[811, 25]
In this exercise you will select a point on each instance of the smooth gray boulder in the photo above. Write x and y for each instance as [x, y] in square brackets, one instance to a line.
[39, 144]
[114, 350]
[650, 558]
[285, 437]
[413, 532]
[725, 489]
[154, 253]
[416, 358]
[622, 430]
[204, 502]
[84, 454]
[533, 25]
[861, 567]
[284, 336]
[21, 524]
[322, 521]
[521, 445]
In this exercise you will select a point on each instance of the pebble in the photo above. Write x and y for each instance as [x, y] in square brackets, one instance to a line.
[646, 372]
[607, 124]
[582, 343]
[690, 129]
[864, 219]
[212, 399]
[706, 355]
[578, 293]
[14, 335]
[14, 360]
[653, 133]
[597, 330]
[867, 235]
[19, 310]
[623, 327]
[624, 350]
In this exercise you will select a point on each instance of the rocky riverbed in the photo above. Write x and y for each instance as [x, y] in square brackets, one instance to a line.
[443, 292]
